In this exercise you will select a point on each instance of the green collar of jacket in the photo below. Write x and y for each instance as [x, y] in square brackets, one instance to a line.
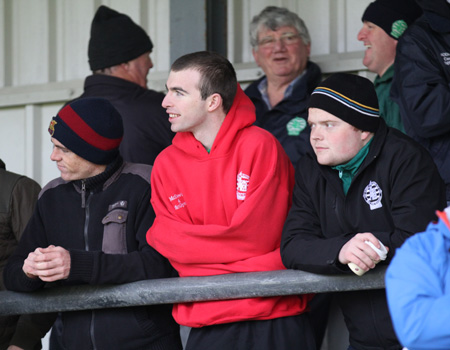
[348, 170]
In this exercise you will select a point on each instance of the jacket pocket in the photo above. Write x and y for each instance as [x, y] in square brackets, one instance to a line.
[114, 232]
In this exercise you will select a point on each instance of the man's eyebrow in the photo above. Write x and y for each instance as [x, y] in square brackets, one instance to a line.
[60, 147]
[322, 121]
[176, 89]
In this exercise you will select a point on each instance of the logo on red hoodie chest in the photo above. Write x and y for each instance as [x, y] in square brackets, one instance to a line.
[242, 185]
[177, 201]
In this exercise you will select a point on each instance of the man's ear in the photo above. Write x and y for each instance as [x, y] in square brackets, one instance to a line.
[255, 54]
[365, 135]
[215, 101]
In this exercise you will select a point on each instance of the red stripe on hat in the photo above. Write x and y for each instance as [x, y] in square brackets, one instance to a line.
[85, 132]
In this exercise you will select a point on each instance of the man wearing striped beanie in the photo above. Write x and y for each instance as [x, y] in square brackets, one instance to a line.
[89, 227]
[363, 184]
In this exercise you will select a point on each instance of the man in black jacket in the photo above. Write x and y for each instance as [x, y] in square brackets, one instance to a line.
[421, 84]
[119, 57]
[18, 197]
[89, 227]
[363, 182]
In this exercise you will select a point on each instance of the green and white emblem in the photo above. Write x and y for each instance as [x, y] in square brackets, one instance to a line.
[398, 28]
[296, 126]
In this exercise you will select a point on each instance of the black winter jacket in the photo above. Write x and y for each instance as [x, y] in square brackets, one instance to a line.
[104, 229]
[393, 195]
[277, 120]
[421, 85]
[145, 122]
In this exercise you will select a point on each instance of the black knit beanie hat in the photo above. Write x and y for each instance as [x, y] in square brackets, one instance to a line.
[393, 16]
[91, 128]
[115, 39]
[349, 97]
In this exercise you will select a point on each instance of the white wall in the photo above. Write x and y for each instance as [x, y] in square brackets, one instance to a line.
[43, 58]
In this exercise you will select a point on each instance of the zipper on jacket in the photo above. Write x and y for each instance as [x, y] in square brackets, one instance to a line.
[86, 221]
[83, 193]
[86, 247]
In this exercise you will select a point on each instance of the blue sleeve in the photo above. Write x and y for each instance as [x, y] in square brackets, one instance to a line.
[418, 299]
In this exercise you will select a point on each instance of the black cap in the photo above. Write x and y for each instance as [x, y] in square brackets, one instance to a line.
[348, 97]
[393, 16]
[115, 39]
[91, 128]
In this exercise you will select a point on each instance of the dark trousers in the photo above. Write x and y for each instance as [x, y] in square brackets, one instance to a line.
[285, 333]
[319, 311]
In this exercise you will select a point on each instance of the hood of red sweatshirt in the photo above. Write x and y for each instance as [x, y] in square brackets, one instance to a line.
[240, 116]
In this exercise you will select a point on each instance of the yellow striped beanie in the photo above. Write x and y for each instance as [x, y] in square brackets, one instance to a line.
[349, 97]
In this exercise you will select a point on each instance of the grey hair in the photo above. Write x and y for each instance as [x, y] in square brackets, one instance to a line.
[273, 17]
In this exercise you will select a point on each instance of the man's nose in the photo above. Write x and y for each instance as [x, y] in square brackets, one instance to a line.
[54, 156]
[361, 34]
[316, 134]
[166, 101]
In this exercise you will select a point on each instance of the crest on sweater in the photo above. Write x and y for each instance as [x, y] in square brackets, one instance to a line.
[296, 126]
[373, 195]
[177, 200]
[242, 186]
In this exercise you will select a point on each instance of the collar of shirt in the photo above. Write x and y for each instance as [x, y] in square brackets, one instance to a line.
[262, 87]
[348, 170]
[387, 76]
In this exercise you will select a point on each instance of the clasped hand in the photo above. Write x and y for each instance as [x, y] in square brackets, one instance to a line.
[49, 264]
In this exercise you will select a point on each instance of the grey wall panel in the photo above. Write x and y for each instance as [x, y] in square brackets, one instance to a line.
[43, 55]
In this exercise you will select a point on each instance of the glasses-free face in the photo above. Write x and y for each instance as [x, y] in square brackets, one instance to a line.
[71, 166]
[334, 141]
[380, 48]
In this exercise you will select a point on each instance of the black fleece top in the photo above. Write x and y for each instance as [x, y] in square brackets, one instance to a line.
[102, 221]
[393, 195]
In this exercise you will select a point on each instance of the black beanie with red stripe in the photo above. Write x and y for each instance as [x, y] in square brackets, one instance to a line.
[91, 128]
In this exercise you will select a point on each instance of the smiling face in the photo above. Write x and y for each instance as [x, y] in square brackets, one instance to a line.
[380, 48]
[333, 140]
[284, 59]
[183, 102]
[72, 166]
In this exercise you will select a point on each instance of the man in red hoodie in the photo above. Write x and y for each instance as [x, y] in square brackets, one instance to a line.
[221, 193]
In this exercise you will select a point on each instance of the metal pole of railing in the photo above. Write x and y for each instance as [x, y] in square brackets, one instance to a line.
[187, 289]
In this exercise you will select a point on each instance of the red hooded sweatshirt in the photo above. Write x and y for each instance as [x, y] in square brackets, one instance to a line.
[223, 212]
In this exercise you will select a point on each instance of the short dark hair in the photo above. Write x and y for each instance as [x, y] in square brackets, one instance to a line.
[217, 75]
